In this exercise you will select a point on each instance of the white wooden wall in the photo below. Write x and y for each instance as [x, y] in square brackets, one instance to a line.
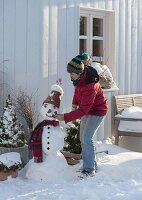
[39, 37]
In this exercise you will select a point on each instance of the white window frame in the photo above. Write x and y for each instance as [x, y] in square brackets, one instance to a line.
[108, 34]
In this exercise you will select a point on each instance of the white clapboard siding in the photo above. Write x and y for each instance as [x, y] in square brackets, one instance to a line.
[117, 29]
[101, 4]
[134, 35]
[62, 48]
[33, 45]
[1, 55]
[39, 38]
[43, 84]
[128, 32]
[108, 5]
[21, 32]
[94, 4]
[70, 32]
[139, 48]
[52, 48]
[9, 43]
[121, 39]
[1, 31]
[67, 45]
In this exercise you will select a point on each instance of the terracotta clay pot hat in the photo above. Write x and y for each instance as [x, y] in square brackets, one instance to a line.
[55, 95]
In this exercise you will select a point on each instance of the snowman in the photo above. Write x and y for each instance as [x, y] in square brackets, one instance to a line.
[48, 163]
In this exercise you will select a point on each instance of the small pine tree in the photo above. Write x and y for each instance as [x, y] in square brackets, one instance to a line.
[11, 131]
[72, 140]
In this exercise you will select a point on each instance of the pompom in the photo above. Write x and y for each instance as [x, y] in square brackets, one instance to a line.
[57, 88]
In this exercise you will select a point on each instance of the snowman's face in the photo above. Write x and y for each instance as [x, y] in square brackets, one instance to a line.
[48, 111]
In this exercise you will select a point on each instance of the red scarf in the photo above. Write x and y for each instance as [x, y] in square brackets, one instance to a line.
[35, 142]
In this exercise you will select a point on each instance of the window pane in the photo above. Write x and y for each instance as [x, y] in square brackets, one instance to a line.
[83, 25]
[82, 46]
[97, 27]
[98, 50]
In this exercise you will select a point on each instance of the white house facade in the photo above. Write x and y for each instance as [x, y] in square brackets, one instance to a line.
[39, 37]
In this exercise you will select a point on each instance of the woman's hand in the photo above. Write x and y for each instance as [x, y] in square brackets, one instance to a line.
[59, 117]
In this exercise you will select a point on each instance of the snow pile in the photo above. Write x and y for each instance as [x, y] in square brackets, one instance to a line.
[10, 159]
[119, 177]
[131, 126]
[53, 169]
[131, 112]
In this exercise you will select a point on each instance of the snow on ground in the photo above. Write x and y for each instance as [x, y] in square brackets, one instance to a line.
[119, 177]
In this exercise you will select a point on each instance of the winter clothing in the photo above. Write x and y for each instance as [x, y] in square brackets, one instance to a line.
[88, 96]
[76, 65]
[88, 128]
[85, 174]
[91, 107]
[35, 142]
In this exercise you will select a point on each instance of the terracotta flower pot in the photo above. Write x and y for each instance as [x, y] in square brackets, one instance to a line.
[5, 174]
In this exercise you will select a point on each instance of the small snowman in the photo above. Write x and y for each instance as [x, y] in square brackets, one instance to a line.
[47, 140]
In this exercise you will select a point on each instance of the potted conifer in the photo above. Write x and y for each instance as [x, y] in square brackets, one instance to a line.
[12, 136]
[72, 148]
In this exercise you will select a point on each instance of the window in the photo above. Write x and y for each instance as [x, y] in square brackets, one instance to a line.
[97, 35]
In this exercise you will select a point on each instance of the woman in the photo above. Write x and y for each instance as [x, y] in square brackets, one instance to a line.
[90, 105]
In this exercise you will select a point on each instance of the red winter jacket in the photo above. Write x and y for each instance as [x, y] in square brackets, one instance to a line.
[90, 100]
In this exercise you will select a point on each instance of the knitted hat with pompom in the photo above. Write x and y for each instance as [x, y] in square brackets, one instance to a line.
[76, 65]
